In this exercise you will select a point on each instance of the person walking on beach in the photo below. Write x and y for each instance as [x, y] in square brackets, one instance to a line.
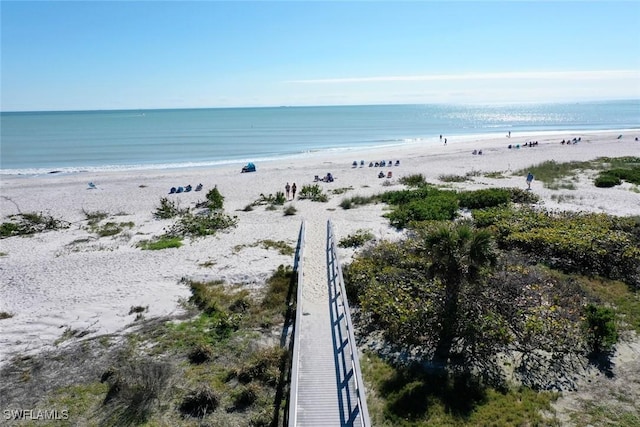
[293, 190]
[445, 141]
[288, 189]
[440, 138]
[529, 180]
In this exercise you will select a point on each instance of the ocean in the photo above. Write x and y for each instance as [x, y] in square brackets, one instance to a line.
[33, 143]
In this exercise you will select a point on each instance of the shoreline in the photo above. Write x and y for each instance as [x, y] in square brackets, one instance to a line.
[414, 143]
[74, 280]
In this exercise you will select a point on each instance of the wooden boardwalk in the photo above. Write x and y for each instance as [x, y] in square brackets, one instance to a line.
[325, 383]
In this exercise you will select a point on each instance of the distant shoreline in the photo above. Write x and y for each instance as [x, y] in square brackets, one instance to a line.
[432, 141]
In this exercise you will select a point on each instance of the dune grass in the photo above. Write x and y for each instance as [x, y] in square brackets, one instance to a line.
[163, 242]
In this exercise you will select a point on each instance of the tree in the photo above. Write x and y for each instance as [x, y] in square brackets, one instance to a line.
[457, 256]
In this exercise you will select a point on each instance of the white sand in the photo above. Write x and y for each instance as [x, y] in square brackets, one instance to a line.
[49, 283]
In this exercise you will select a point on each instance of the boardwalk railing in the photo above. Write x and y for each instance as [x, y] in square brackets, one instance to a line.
[354, 407]
[295, 353]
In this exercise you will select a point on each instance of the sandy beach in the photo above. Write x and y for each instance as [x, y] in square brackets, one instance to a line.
[72, 279]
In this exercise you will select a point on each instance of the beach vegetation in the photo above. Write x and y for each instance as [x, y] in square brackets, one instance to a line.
[159, 243]
[357, 239]
[387, 183]
[278, 200]
[438, 205]
[613, 177]
[283, 247]
[25, 224]
[453, 178]
[215, 200]
[111, 228]
[168, 209]
[248, 208]
[200, 402]
[93, 218]
[5, 315]
[313, 192]
[134, 389]
[202, 224]
[136, 309]
[290, 210]
[413, 180]
[341, 190]
[553, 174]
[485, 198]
[495, 175]
[584, 243]
[601, 329]
[355, 201]
[405, 394]
[4, 253]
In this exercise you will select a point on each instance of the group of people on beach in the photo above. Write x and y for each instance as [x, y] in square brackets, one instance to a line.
[290, 189]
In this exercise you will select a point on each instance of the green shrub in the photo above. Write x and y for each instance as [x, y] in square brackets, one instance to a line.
[163, 242]
[290, 210]
[216, 200]
[572, 242]
[487, 198]
[414, 180]
[30, 223]
[168, 209]
[606, 180]
[601, 328]
[95, 217]
[453, 178]
[200, 402]
[440, 206]
[359, 238]
[313, 193]
[355, 201]
[202, 225]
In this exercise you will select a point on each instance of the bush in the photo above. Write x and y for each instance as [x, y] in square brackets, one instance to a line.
[133, 389]
[202, 225]
[30, 223]
[486, 198]
[200, 354]
[216, 200]
[440, 206]
[601, 328]
[290, 210]
[168, 209]
[356, 240]
[313, 193]
[415, 180]
[164, 242]
[200, 402]
[606, 180]
[355, 201]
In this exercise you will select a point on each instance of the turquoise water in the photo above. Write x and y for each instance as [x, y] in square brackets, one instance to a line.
[40, 142]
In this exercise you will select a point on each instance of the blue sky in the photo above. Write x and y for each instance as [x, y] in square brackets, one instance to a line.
[142, 54]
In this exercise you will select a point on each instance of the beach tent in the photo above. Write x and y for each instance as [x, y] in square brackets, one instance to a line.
[250, 167]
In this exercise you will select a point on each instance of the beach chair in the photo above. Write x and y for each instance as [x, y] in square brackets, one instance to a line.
[371, 164]
[381, 174]
[389, 174]
[180, 190]
[397, 162]
[173, 190]
[354, 164]
[199, 187]
[187, 188]
[361, 163]
[92, 186]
